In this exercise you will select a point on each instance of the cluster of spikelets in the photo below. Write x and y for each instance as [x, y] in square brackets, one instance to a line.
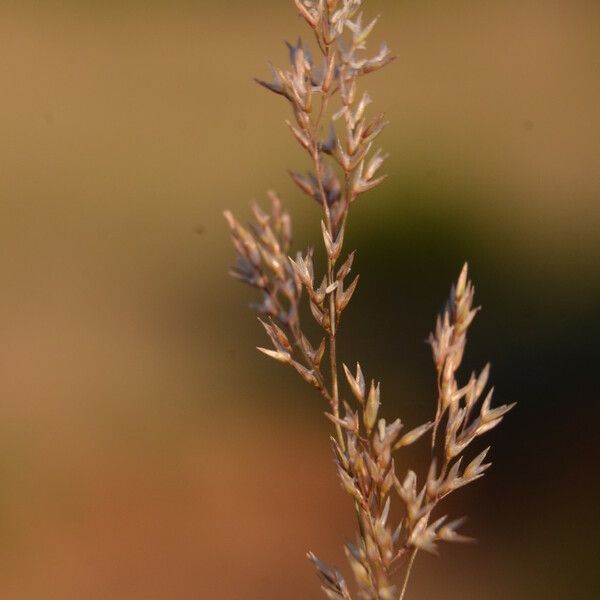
[364, 444]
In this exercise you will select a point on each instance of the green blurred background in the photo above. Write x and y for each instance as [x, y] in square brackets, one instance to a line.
[147, 452]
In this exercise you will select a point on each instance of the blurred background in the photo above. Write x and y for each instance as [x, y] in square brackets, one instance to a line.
[147, 452]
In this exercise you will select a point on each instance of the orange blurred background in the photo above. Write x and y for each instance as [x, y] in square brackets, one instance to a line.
[147, 452]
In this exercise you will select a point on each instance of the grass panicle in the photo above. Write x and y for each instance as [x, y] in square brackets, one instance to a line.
[331, 122]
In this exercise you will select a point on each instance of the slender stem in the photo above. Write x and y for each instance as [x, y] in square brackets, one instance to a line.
[438, 411]
[333, 355]
[320, 174]
[407, 574]
[316, 155]
[319, 42]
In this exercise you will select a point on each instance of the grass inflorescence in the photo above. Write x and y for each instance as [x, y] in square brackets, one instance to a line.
[330, 122]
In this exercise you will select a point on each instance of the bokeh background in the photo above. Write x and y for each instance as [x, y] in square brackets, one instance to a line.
[147, 452]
